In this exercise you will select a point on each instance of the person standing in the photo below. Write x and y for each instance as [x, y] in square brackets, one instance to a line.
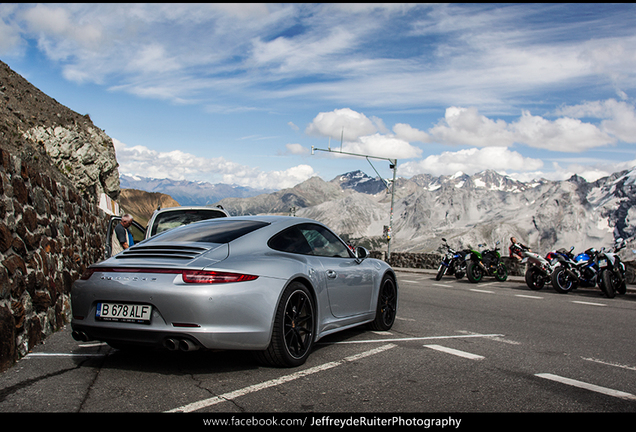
[516, 249]
[122, 231]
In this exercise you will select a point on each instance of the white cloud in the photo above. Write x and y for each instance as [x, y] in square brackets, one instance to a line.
[409, 133]
[178, 165]
[470, 161]
[360, 134]
[563, 134]
[465, 126]
[382, 146]
[338, 123]
[619, 118]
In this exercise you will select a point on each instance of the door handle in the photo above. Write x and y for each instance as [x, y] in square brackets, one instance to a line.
[331, 274]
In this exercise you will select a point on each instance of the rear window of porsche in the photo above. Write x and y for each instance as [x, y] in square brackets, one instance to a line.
[213, 231]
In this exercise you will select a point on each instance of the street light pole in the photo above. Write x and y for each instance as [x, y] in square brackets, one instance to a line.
[393, 166]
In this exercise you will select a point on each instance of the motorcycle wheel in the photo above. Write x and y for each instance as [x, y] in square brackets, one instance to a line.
[621, 286]
[502, 272]
[534, 280]
[474, 272]
[440, 272]
[560, 281]
[607, 279]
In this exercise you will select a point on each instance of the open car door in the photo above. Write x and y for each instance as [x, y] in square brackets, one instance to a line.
[112, 246]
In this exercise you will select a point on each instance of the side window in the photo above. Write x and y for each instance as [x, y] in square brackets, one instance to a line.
[323, 242]
[290, 240]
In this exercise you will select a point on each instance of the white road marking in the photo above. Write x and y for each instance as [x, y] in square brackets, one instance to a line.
[91, 345]
[442, 285]
[482, 291]
[497, 338]
[413, 339]
[62, 355]
[610, 364]
[278, 381]
[588, 303]
[409, 281]
[528, 296]
[587, 386]
[455, 352]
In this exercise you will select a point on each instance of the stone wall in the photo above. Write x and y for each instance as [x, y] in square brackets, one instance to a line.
[48, 235]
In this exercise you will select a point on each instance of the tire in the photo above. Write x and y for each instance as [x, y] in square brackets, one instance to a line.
[460, 270]
[560, 281]
[440, 272]
[474, 272]
[609, 282]
[502, 272]
[294, 327]
[386, 309]
[534, 280]
[622, 287]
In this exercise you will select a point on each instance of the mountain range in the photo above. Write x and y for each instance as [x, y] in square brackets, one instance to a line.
[188, 192]
[467, 210]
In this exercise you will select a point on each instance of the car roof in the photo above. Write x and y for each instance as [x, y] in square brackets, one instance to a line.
[168, 209]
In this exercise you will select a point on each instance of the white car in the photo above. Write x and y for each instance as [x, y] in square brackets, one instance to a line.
[162, 220]
[172, 217]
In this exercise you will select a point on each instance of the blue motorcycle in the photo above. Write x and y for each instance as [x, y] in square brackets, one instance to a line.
[453, 262]
[592, 268]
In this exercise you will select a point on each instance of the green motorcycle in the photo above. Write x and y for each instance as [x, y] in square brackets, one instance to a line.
[487, 262]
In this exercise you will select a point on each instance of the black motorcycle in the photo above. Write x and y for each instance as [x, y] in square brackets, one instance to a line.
[612, 270]
[592, 268]
[539, 269]
[572, 272]
[487, 262]
[453, 263]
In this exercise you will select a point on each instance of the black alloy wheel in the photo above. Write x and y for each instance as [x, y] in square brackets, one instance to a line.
[387, 305]
[293, 332]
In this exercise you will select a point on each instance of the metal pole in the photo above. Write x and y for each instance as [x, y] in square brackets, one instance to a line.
[388, 254]
[393, 166]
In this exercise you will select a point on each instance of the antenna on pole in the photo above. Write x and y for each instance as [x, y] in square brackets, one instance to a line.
[392, 165]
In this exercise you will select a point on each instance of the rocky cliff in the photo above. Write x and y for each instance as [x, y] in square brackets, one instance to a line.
[54, 163]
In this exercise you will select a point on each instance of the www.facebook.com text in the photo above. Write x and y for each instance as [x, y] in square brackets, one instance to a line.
[338, 422]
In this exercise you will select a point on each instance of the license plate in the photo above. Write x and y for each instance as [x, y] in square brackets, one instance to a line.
[135, 313]
[602, 263]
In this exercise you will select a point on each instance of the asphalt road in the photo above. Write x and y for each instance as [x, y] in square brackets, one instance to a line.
[456, 347]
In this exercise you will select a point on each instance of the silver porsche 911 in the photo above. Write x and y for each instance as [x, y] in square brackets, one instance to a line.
[270, 284]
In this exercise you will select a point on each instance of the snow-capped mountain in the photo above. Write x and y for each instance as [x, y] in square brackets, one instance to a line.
[483, 208]
[467, 210]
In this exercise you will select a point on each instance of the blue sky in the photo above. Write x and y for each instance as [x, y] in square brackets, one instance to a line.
[240, 93]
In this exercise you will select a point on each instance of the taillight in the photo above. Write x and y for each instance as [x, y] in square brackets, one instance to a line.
[87, 274]
[192, 276]
[189, 276]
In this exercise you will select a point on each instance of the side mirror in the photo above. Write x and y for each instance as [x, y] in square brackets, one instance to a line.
[361, 253]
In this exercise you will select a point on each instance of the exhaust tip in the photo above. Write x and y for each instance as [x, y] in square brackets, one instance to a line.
[80, 336]
[171, 344]
[188, 345]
